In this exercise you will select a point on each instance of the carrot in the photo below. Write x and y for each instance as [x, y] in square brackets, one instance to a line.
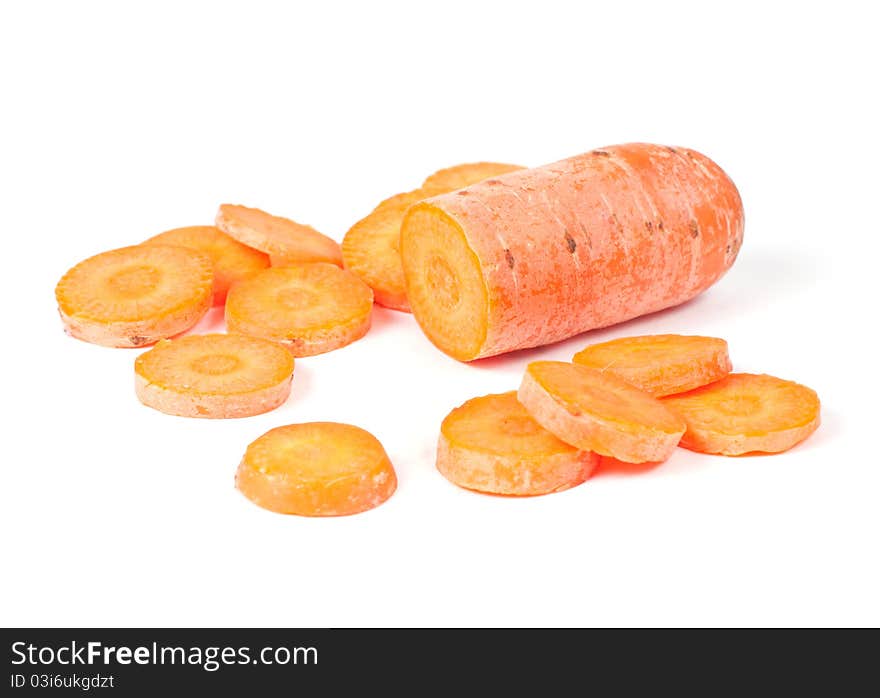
[460, 176]
[232, 260]
[134, 296]
[214, 375]
[536, 256]
[309, 308]
[287, 241]
[596, 411]
[491, 444]
[661, 364]
[746, 413]
[371, 248]
[316, 469]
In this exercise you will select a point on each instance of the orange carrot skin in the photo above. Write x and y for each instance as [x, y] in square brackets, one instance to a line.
[586, 242]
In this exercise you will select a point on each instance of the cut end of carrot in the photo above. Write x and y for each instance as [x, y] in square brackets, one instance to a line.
[135, 296]
[460, 176]
[491, 444]
[747, 413]
[216, 376]
[662, 364]
[444, 281]
[316, 469]
[309, 308]
[232, 260]
[599, 412]
[289, 242]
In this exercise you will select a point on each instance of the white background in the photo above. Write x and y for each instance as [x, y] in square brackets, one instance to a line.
[118, 123]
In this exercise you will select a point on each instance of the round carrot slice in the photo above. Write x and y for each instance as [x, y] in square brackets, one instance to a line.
[232, 260]
[661, 364]
[491, 444]
[286, 240]
[135, 296]
[316, 469]
[600, 412]
[214, 375]
[310, 308]
[371, 249]
[746, 413]
[461, 176]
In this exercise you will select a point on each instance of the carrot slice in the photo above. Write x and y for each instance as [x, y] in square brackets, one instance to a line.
[135, 296]
[214, 375]
[491, 444]
[288, 241]
[316, 469]
[600, 412]
[661, 364]
[310, 308]
[460, 176]
[232, 260]
[371, 249]
[746, 413]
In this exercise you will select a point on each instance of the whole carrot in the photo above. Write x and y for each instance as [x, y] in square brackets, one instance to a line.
[539, 255]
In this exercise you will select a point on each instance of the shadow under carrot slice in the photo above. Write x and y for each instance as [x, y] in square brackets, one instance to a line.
[612, 466]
